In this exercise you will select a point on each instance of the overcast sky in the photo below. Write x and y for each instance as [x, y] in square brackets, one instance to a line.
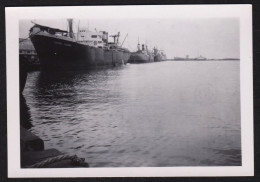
[211, 38]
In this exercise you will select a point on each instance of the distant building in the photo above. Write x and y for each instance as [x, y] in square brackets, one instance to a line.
[27, 50]
[187, 58]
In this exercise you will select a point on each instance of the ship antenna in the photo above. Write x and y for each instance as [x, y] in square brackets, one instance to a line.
[138, 45]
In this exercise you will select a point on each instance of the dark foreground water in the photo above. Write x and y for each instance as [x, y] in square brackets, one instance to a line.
[157, 114]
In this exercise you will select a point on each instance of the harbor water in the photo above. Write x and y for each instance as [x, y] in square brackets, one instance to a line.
[171, 113]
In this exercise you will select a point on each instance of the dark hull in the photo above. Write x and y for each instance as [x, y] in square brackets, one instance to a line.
[159, 58]
[56, 53]
[140, 58]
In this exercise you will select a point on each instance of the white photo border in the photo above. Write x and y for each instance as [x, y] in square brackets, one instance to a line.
[243, 12]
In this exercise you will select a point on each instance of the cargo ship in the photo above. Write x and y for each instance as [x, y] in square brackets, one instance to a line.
[142, 55]
[59, 49]
[159, 55]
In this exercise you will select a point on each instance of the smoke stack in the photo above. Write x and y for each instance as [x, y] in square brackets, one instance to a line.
[70, 28]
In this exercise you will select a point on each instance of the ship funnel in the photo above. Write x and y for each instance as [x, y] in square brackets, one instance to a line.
[70, 21]
[142, 47]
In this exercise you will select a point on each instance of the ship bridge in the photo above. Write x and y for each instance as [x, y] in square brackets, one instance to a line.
[91, 38]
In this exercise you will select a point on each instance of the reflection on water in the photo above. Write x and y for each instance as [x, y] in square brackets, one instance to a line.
[25, 117]
[158, 114]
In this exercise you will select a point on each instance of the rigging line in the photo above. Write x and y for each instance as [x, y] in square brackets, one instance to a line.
[23, 39]
[25, 36]
[29, 36]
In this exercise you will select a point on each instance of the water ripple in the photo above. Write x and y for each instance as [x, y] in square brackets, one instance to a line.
[163, 114]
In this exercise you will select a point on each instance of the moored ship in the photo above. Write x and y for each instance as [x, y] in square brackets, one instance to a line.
[59, 49]
[159, 55]
[142, 55]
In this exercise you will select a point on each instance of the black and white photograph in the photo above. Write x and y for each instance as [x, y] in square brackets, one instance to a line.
[130, 91]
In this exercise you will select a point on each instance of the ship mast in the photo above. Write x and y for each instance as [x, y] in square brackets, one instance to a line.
[138, 45]
[118, 35]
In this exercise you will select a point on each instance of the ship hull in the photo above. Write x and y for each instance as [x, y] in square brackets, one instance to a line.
[159, 58]
[56, 53]
[140, 58]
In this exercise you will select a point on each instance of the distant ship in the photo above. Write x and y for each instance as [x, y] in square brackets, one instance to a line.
[179, 58]
[60, 49]
[200, 58]
[159, 55]
[141, 55]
